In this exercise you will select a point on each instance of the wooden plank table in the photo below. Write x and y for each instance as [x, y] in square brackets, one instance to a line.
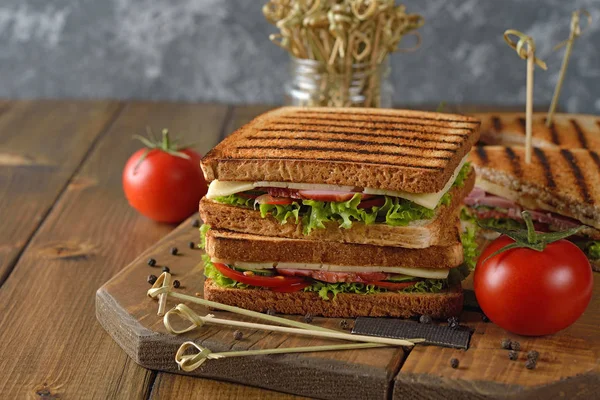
[67, 229]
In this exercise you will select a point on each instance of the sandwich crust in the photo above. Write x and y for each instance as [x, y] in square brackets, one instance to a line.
[345, 305]
[440, 231]
[559, 180]
[232, 246]
[571, 131]
[412, 151]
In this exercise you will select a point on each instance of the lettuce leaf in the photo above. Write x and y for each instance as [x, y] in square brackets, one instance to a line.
[203, 231]
[281, 212]
[427, 286]
[593, 250]
[395, 211]
[324, 289]
[470, 247]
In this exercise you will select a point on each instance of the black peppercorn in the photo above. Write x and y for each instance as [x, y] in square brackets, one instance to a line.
[152, 279]
[166, 269]
[485, 318]
[344, 324]
[192, 245]
[530, 364]
[513, 355]
[454, 363]
[425, 319]
[176, 283]
[516, 346]
[151, 262]
[238, 335]
[308, 318]
[270, 311]
[196, 223]
[174, 251]
[453, 323]
[505, 344]
[533, 355]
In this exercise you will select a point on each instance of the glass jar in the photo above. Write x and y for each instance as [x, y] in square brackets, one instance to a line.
[313, 83]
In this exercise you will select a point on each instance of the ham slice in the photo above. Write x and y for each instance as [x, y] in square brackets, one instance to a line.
[335, 277]
[503, 208]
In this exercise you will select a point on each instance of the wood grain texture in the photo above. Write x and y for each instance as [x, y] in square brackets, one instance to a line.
[51, 345]
[568, 367]
[42, 143]
[170, 386]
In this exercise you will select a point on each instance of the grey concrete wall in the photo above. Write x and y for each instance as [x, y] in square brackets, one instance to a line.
[217, 50]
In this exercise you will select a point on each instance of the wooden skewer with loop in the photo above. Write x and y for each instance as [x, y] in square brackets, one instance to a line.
[574, 34]
[525, 48]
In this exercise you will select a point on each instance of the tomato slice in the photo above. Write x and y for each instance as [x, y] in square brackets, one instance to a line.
[328, 195]
[375, 202]
[291, 288]
[268, 199]
[257, 280]
[392, 285]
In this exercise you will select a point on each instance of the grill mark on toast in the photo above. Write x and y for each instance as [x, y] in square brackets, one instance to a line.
[338, 150]
[482, 154]
[579, 178]
[523, 124]
[398, 135]
[375, 114]
[497, 123]
[546, 166]
[404, 165]
[554, 134]
[354, 141]
[596, 159]
[514, 162]
[580, 134]
[312, 123]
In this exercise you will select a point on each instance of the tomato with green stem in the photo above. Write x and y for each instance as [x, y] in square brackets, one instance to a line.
[164, 181]
[533, 283]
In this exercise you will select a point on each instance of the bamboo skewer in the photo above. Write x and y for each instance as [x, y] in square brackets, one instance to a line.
[529, 105]
[190, 362]
[574, 34]
[529, 55]
[198, 321]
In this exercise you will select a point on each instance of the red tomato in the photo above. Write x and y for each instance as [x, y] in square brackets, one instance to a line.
[392, 285]
[164, 187]
[257, 280]
[268, 199]
[533, 293]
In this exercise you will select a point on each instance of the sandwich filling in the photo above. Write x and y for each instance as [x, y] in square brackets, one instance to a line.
[313, 205]
[495, 206]
[329, 280]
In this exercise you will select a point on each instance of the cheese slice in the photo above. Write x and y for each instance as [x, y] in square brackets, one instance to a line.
[430, 273]
[428, 200]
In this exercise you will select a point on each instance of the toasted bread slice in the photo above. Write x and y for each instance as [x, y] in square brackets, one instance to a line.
[563, 181]
[439, 231]
[345, 305]
[400, 150]
[571, 131]
[233, 246]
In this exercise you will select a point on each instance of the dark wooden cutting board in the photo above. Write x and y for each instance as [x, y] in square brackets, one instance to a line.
[568, 367]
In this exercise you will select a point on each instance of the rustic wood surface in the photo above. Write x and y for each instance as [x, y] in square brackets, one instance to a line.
[67, 229]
